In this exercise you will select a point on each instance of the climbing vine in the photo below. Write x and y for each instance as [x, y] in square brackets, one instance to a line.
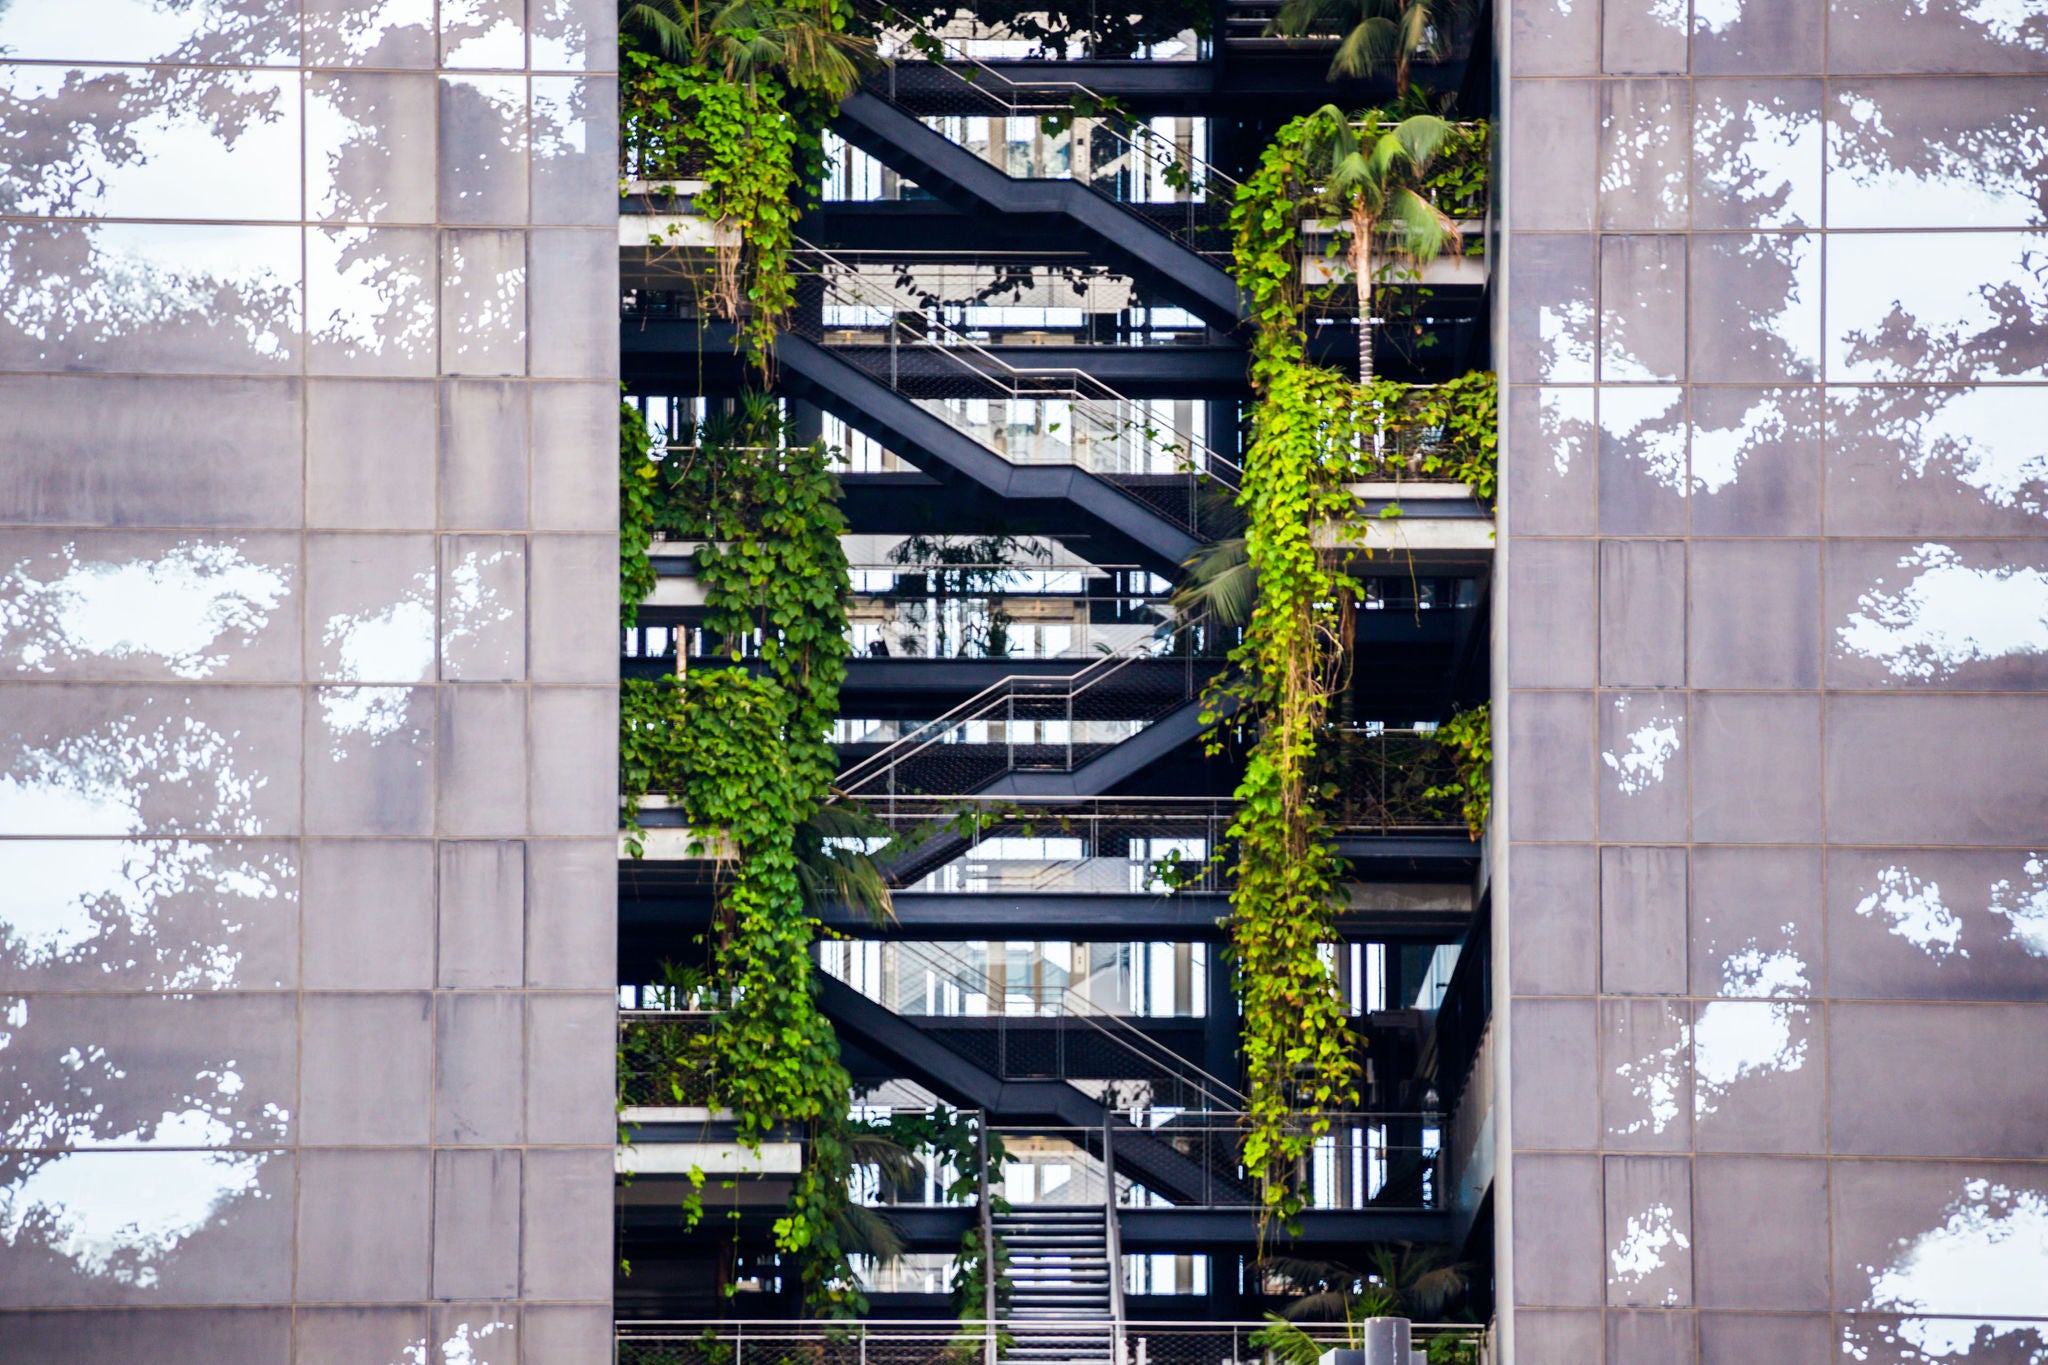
[748, 757]
[638, 474]
[1468, 736]
[1312, 429]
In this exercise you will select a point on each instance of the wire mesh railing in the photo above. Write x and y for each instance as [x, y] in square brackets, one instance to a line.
[950, 1342]
[663, 1061]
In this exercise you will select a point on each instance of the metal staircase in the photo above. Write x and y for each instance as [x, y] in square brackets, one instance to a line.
[1174, 247]
[1061, 1279]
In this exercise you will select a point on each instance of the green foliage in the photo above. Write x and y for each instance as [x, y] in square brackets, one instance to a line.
[1072, 28]
[1441, 431]
[1460, 173]
[1450, 1348]
[637, 478]
[1469, 737]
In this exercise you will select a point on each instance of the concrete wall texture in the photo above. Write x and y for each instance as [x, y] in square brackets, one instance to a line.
[307, 562]
[1772, 665]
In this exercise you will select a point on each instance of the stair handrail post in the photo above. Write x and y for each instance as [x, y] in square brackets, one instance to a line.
[988, 1242]
[1112, 1239]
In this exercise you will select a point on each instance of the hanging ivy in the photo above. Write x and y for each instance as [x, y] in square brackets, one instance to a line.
[637, 476]
[1468, 736]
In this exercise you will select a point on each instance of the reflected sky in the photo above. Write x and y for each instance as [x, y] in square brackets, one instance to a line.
[1913, 909]
[1757, 157]
[188, 609]
[151, 771]
[1937, 307]
[483, 33]
[1650, 741]
[1645, 1246]
[1907, 154]
[147, 914]
[229, 32]
[1986, 1260]
[1937, 615]
[1648, 425]
[1989, 439]
[370, 299]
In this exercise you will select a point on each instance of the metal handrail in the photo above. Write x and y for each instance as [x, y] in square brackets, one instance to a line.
[1077, 386]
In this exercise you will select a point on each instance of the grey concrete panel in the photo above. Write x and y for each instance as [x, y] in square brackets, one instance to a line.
[370, 608]
[223, 451]
[1649, 1232]
[1756, 462]
[568, 1225]
[484, 35]
[1645, 1075]
[1642, 613]
[1740, 1338]
[1645, 155]
[1552, 164]
[483, 454]
[1921, 615]
[571, 914]
[1756, 922]
[1755, 310]
[1936, 924]
[1643, 478]
[482, 757]
[370, 767]
[1756, 614]
[483, 303]
[1550, 745]
[153, 760]
[562, 1335]
[1553, 329]
[1643, 921]
[1554, 38]
[1885, 1216]
[572, 35]
[476, 1224]
[1553, 1074]
[234, 1249]
[1756, 768]
[1759, 1077]
[1756, 154]
[1930, 769]
[369, 914]
[483, 146]
[1886, 36]
[1642, 40]
[1554, 933]
[570, 1041]
[573, 636]
[575, 760]
[163, 1336]
[1557, 1334]
[1553, 591]
[1941, 152]
[483, 608]
[369, 154]
[575, 445]
[482, 914]
[368, 1064]
[1937, 1080]
[1652, 1337]
[575, 151]
[1762, 1225]
[159, 914]
[1643, 758]
[150, 606]
[1552, 491]
[342, 33]
[370, 454]
[1916, 461]
[365, 1226]
[1762, 40]
[370, 301]
[349, 1336]
[569, 267]
[1557, 1250]
[1642, 308]
[479, 1065]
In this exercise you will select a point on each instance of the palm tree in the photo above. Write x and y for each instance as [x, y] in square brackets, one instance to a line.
[1377, 33]
[1371, 175]
[748, 40]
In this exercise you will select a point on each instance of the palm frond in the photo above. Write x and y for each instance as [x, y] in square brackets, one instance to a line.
[1287, 1343]
[1221, 583]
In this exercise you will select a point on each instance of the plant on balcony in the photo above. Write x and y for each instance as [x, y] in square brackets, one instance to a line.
[737, 95]
[1375, 34]
[1468, 736]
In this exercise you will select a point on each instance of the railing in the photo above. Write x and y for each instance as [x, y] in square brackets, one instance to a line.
[1066, 1034]
[890, 333]
[1363, 1162]
[1024, 722]
[1383, 779]
[1142, 158]
[946, 1342]
[657, 1058]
